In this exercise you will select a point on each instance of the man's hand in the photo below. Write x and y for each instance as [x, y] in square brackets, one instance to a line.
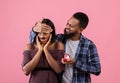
[67, 59]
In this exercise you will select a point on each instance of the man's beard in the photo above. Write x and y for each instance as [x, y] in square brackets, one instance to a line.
[69, 35]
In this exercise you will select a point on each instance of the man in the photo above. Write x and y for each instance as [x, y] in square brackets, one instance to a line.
[84, 59]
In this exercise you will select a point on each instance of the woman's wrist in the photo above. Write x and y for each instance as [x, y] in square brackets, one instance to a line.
[40, 50]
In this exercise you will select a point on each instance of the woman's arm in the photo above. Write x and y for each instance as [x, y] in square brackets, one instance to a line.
[27, 68]
[52, 62]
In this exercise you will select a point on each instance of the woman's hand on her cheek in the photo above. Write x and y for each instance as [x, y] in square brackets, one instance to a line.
[38, 43]
[48, 42]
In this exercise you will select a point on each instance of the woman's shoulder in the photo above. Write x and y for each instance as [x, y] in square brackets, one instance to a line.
[59, 45]
[29, 46]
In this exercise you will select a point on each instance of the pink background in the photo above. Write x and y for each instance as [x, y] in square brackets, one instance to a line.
[18, 16]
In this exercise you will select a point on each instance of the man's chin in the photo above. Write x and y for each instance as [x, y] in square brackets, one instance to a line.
[68, 36]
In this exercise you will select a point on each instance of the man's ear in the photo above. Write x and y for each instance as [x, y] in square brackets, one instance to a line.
[80, 30]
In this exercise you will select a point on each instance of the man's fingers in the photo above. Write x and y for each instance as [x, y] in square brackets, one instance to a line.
[40, 21]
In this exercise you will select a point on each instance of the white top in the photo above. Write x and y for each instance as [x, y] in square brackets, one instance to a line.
[71, 47]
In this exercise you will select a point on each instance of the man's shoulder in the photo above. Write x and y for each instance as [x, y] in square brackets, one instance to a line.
[85, 39]
[60, 37]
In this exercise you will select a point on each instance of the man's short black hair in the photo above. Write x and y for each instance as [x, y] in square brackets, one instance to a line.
[82, 18]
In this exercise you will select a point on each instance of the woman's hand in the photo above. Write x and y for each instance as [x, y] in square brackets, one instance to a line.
[38, 44]
[46, 45]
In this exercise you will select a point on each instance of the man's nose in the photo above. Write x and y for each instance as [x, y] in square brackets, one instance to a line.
[67, 26]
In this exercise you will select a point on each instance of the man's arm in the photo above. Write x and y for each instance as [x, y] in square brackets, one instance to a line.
[93, 64]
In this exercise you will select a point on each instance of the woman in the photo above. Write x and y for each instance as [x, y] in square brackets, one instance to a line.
[42, 57]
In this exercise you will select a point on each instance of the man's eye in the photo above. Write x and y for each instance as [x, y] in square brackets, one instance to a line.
[68, 24]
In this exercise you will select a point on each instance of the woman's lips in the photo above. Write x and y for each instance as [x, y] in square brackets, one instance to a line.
[42, 39]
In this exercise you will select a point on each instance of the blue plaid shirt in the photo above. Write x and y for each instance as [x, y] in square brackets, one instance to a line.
[87, 60]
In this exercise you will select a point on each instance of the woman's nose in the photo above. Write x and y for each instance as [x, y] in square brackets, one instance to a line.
[41, 34]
